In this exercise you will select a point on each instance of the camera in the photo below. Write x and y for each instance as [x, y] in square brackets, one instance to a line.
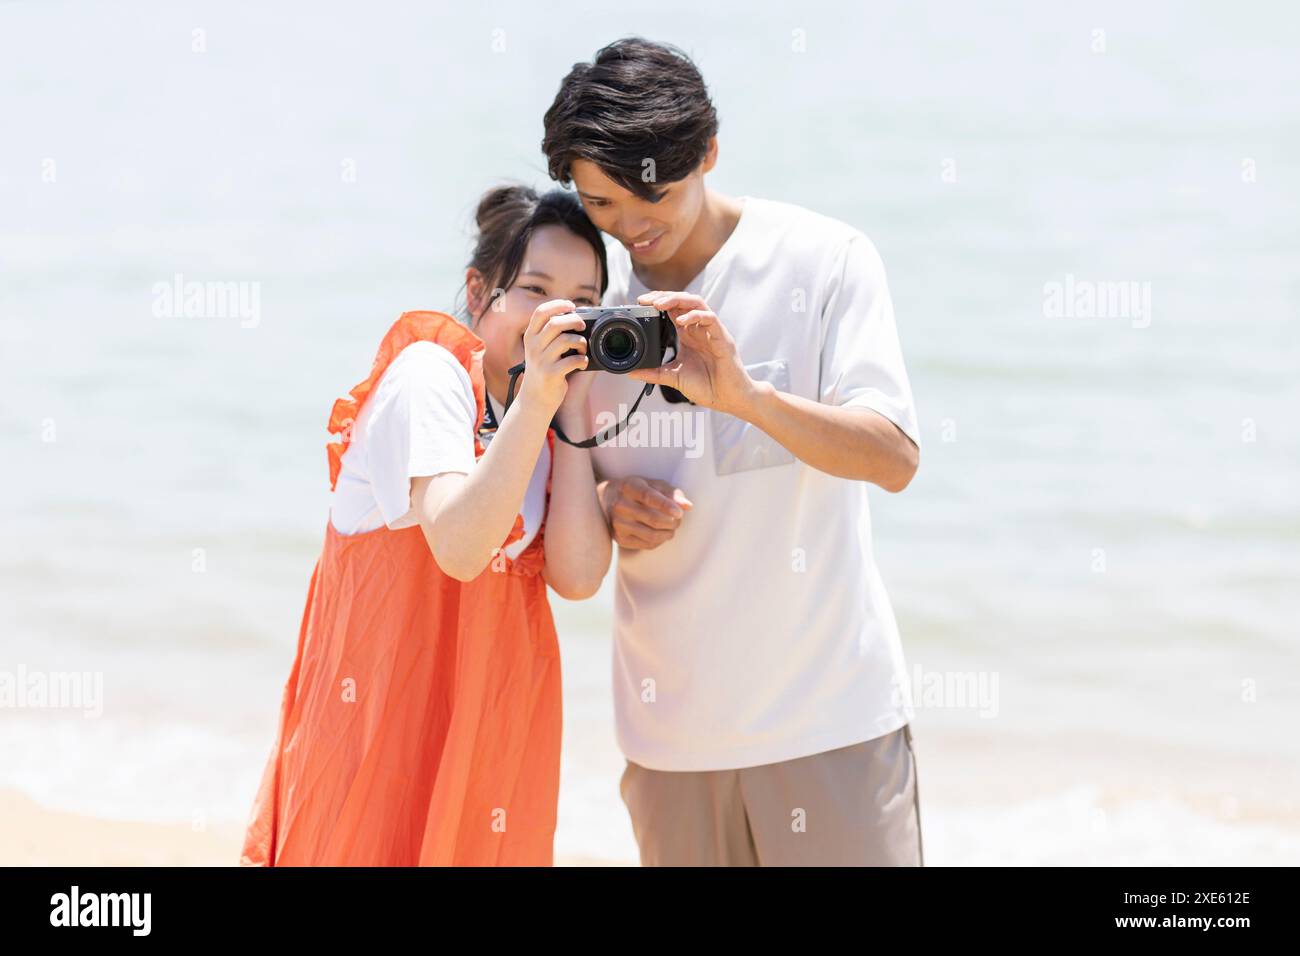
[625, 337]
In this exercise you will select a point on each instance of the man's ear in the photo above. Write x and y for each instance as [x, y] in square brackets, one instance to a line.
[710, 155]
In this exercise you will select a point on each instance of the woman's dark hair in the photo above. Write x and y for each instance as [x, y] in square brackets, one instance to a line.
[636, 100]
[508, 216]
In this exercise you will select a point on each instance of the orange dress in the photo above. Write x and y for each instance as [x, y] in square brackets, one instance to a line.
[420, 724]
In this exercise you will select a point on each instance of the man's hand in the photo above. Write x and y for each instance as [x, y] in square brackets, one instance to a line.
[642, 513]
[707, 368]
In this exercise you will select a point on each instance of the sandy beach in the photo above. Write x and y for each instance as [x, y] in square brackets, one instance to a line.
[32, 835]
[1067, 799]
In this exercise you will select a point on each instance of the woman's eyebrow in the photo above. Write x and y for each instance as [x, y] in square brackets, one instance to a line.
[543, 275]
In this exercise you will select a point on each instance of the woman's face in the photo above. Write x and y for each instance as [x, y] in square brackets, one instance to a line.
[557, 264]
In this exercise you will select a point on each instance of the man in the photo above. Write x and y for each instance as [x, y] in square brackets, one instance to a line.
[759, 683]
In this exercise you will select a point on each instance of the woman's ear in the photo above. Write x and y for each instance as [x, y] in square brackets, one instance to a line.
[474, 289]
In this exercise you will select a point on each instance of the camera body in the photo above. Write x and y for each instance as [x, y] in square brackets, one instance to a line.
[621, 338]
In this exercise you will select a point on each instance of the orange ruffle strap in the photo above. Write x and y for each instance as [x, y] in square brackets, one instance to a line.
[468, 348]
[410, 327]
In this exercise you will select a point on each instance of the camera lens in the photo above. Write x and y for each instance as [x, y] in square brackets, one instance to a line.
[618, 344]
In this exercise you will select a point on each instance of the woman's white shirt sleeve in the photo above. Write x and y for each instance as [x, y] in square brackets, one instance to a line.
[418, 422]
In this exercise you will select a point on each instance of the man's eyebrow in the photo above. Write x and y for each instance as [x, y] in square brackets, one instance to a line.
[548, 278]
[655, 197]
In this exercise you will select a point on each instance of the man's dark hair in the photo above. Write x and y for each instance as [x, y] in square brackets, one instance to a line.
[635, 100]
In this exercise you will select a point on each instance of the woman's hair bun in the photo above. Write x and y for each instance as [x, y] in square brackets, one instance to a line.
[513, 199]
[507, 217]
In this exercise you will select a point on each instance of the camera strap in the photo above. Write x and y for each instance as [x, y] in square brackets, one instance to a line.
[489, 418]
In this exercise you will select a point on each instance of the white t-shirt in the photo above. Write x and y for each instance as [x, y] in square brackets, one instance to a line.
[418, 421]
[761, 631]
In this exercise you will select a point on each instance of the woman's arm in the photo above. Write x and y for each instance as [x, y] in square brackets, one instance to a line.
[466, 517]
[577, 538]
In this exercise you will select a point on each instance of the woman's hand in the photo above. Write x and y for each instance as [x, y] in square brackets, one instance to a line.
[551, 332]
[707, 368]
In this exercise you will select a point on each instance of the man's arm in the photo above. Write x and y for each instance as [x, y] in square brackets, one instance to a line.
[844, 441]
[847, 441]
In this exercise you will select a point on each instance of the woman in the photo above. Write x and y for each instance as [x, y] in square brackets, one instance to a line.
[421, 721]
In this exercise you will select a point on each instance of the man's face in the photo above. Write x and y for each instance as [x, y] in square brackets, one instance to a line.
[652, 232]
